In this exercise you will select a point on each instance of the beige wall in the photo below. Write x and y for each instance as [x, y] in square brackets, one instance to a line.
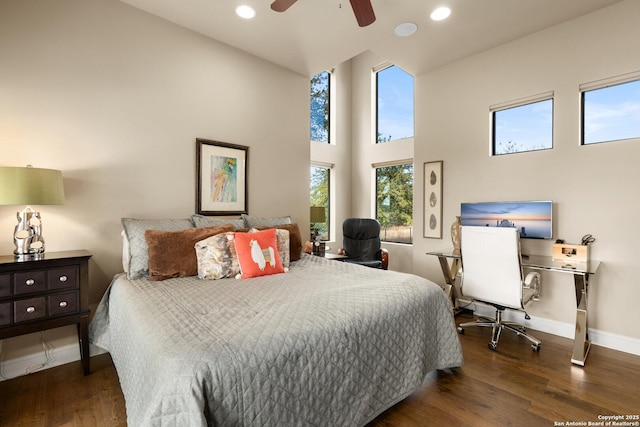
[593, 187]
[115, 98]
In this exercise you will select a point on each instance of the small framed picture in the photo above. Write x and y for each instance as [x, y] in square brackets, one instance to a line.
[221, 170]
[433, 199]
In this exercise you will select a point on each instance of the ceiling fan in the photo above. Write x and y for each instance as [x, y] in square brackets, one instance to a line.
[361, 8]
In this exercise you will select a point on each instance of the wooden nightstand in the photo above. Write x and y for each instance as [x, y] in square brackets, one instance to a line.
[46, 293]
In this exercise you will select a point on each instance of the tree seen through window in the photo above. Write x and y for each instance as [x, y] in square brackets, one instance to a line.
[319, 196]
[320, 107]
[394, 202]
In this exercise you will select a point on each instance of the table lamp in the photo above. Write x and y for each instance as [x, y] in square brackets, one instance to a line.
[317, 215]
[30, 186]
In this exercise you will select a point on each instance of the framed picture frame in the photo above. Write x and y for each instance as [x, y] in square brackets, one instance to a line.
[221, 170]
[433, 200]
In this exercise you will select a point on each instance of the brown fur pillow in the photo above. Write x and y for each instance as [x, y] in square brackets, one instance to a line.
[172, 253]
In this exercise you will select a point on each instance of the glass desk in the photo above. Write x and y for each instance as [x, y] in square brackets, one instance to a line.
[450, 263]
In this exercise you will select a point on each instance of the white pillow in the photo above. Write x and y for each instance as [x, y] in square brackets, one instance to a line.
[125, 252]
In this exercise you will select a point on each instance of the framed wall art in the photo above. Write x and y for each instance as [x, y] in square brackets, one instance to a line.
[221, 170]
[433, 199]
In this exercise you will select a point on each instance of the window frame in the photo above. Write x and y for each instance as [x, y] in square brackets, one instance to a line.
[510, 105]
[329, 169]
[611, 82]
[376, 98]
[403, 162]
[329, 108]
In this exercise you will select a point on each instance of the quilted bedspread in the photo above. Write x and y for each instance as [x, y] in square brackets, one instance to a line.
[327, 343]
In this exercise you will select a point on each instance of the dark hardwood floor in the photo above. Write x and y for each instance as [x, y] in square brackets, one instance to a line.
[513, 386]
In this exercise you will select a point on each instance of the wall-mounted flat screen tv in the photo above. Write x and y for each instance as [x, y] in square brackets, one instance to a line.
[533, 219]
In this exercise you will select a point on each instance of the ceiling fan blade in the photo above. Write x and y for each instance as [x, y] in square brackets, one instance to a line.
[363, 11]
[282, 5]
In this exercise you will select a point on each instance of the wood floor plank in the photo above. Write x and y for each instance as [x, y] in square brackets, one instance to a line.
[513, 386]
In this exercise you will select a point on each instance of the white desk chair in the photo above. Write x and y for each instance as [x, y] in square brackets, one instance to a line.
[492, 274]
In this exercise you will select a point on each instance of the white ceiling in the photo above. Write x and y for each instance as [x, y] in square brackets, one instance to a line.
[315, 35]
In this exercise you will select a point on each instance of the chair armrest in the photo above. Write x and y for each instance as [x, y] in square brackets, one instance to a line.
[384, 257]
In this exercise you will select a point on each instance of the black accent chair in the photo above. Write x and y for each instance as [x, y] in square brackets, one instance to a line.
[361, 243]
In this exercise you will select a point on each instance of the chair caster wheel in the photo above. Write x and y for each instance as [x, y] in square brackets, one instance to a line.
[492, 346]
[535, 347]
[460, 330]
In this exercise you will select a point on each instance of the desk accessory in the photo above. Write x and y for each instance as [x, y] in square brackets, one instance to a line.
[570, 253]
[319, 248]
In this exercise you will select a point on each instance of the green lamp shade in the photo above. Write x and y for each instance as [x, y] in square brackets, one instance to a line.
[317, 214]
[30, 186]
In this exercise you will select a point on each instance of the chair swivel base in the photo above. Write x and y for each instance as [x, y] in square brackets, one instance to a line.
[497, 325]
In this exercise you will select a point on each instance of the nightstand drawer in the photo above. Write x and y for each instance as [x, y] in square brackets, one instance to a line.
[63, 303]
[29, 309]
[63, 277]
[5, 284]
[5, 313]
[46, 292]
[30, 281]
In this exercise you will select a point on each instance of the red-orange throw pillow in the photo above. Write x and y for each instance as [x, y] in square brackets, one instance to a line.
[258, 253]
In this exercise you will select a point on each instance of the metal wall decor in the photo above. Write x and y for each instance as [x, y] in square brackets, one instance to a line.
[433, 200]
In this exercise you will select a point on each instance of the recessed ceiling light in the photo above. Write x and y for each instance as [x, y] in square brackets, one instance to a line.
[440, 13]
[246, 12]
[405, 29]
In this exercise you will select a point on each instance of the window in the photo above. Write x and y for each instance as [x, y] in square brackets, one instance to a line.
[319, 196]
[394, 202]
[523, 127]
[394, 104]
[320, 85]
[611, 113]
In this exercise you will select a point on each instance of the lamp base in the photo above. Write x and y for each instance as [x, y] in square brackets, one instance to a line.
[27, 236]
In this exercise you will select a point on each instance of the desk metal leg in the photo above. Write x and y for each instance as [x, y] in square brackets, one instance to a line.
[581, 343]
[449, 273]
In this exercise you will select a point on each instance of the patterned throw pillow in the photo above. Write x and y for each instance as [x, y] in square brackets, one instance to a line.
[295, 239]
[258, 253]
[217, 257]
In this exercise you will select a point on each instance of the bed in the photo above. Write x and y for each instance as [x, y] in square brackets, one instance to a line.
[326, 343]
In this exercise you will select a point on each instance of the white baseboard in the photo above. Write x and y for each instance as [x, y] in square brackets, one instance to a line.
[567, 330]
[38, 361]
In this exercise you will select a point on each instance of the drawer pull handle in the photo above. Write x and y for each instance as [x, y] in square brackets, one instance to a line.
[30, 282]
[63, 278]
[63, 304]
[31, 309]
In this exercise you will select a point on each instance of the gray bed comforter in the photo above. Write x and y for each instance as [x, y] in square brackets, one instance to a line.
[327, 343]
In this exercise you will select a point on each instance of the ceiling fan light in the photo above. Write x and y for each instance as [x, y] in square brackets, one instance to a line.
[245, 11]
[440, 13]
[405, 29]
